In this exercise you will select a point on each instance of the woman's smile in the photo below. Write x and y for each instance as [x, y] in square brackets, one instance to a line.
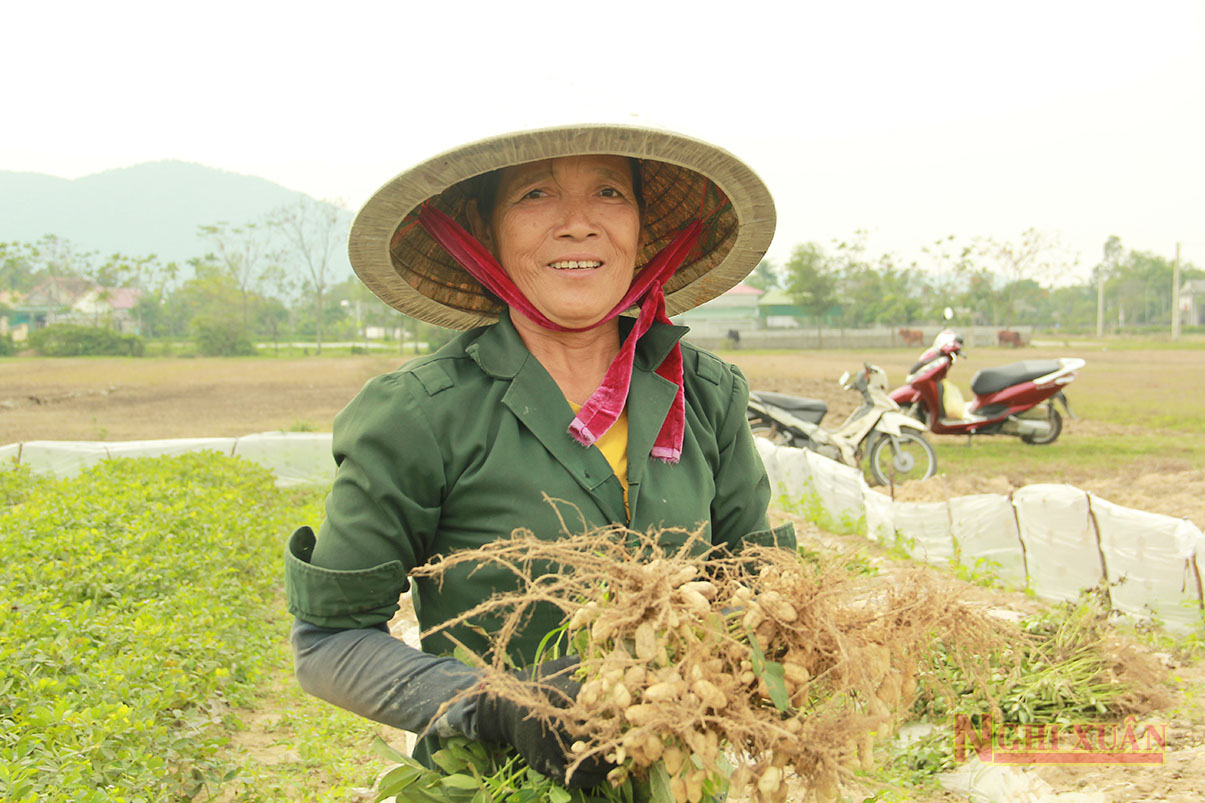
[567, 232]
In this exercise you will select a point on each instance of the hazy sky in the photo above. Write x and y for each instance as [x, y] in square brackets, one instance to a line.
[912, 120]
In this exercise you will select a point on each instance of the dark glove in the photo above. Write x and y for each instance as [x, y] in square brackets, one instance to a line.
[545, 748]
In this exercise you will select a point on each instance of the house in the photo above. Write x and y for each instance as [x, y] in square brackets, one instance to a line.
[779, 310]
[735, 309]
[737, 304]
[70, 299]
[1192, 302]
[111, 307]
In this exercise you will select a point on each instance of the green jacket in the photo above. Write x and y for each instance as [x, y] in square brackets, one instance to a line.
[455, 450]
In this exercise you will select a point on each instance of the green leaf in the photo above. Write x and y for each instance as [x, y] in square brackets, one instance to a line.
[398, 779]
[557, 794]
[451, 759]
[659, 781]
[776, 683]
[388, 752]
[460, 781]
[769, 671]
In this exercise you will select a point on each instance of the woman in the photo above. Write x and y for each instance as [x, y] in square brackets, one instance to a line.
[534, 243]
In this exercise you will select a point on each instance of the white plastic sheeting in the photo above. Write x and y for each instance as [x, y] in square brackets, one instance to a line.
[1059, 538]
[838, 486]
[1054, 539]
[985, 528]
[296, 458]
[880, 524]
[923, 530]
[1151, 555]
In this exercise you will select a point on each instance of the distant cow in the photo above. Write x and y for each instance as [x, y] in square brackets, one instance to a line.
[912, 337]
[1006, 337]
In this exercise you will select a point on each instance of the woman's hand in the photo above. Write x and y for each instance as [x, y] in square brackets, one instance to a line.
[545, 747]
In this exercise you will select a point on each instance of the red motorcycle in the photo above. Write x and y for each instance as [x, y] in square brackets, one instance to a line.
[1015, 399]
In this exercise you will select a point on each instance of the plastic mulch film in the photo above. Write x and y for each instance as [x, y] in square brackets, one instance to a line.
[880, 524]
[1150, 554]
[984, 527]
[296, 458]
[923, 530]
[794, 475]
[838, 486]
[1063, 555]
[68, 458]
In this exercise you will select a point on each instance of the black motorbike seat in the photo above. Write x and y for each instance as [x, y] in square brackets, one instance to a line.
[994, 380]
[808, 409]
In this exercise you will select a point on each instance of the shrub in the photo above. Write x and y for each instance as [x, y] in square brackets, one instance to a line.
[140, 604]
[7, 347]
[70, 340]
[222, 337]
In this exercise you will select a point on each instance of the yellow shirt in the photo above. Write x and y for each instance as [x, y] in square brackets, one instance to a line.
[614, 446]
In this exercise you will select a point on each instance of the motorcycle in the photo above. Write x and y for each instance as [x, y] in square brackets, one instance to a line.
[892, 441]
[1017, 399]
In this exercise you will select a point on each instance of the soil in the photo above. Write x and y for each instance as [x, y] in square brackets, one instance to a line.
[1170, 485]
[1181, 777]
[106, 399]
[141, 399]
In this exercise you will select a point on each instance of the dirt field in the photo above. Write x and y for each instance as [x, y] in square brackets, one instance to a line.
[133, 399]
[111, 399]
[1122, 395]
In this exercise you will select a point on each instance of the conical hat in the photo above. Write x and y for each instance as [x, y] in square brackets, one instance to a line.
[681, 178]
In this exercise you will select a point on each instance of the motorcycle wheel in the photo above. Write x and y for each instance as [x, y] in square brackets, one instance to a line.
[896, 460]
[764, 429]
[1056, 427]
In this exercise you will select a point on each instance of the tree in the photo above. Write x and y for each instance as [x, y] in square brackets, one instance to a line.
[1100, 275]
[312, 232]
[24, 265]
[17, 269]
[764, 276]
[810, 281]
[949, 264]
[1038, 256]
[245, 253]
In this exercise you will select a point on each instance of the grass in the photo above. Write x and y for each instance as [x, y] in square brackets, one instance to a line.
[1070, 458]
[144, 640]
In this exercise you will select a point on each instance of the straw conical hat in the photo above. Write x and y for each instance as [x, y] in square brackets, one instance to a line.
[681, 178]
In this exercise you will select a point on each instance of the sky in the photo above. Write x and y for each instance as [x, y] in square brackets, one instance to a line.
[910, 121]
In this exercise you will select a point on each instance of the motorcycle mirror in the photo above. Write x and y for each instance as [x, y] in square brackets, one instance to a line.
[948, 313]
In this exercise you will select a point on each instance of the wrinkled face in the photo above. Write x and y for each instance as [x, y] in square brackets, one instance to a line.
[567, 231]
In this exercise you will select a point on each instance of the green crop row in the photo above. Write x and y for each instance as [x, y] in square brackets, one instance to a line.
[139, 609]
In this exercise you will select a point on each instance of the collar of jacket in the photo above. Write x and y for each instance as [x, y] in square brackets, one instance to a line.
[500, 351]
[533, 396]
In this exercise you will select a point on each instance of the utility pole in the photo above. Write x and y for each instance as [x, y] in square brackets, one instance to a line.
[1176, 295]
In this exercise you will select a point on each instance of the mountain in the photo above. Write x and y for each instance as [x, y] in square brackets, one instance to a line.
[150, 208]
